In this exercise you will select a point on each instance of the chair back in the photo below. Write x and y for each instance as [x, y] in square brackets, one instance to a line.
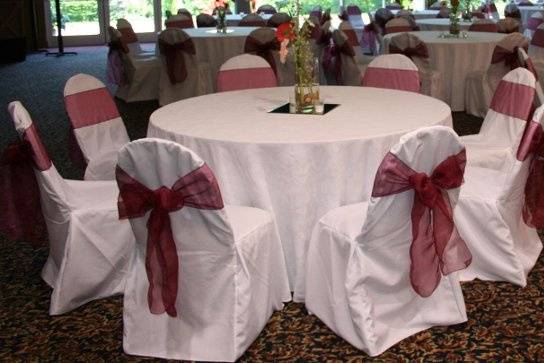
[245, 71]
[129, 37]
[428, 154]
[339, 61]
[95, 120]
[536, 47]
[181, 21]
[280, 18]
[505, 58]
[510, 108]
[381, 17]
[508, 25]
[397, 25]
[512, 11]
[535, 20]
[263, 42]
[205, 21]
[411, 46]
[351, 34]
[252, 20]
[183, 268]
[266, 9]
[483, 25]
[392, 71]
[526, 62]
[185, 12]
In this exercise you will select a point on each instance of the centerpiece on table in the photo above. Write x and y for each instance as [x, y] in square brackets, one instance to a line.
[297, 38]
[455, 29]
[221, 7]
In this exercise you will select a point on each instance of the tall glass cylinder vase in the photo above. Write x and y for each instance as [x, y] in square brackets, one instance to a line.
[307, 86]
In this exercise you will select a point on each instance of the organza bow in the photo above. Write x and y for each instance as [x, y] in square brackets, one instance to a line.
[437, 249]
[198, 189]
[263, 49]
[175, 58]
[510, 58]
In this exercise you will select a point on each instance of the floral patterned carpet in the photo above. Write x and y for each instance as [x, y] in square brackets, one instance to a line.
[506, 323]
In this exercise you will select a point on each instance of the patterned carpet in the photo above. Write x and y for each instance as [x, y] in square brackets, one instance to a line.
[506, 323]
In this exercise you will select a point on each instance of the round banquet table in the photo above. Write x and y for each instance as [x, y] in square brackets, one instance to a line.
[234, 19]
[215, 49]
[440, 24]
[455, 58]
[296, 166]
[527, 11]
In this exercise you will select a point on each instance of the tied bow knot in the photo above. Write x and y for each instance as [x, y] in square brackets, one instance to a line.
[175, 58]
[510, 58]
[198, 189]
[436, 249]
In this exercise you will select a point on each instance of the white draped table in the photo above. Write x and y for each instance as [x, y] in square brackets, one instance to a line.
[441, 24]
[418, 14]
[296, 166]
[455, 58]
[234, 19]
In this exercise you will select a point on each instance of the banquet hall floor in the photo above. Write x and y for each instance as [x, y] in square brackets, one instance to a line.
[505, 322]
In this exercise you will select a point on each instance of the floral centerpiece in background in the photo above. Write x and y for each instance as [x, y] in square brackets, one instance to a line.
[220, 9]
[454, 17]
[292, 36]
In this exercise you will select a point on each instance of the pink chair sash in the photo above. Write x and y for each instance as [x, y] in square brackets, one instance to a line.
[437, 249]
[20, 215]
[332, 59]
[487, 27]
[538, 38]
[248, 78]
[513, 99]
[419, 50]
[397, 29]
[40, 157]
[128, 36]
[533, 143]
[181, 24]
[198, 189]
[262, 49]
[90, 107]
[399, 79]
[510, 58]
[174, 54]
[533, 23]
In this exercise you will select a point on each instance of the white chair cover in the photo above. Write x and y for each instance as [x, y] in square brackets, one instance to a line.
[130, 38]
[181, 21]
[489, 214]
[197, 73]
[393, 71]
[354, 36]
[89, 247]
[96, 123]
[480, 86]
[431, 80]
[397, 25]
[285, 72]
[508, 25]
[358, 264]
[231, 275]
[245, 71]
[344, 67]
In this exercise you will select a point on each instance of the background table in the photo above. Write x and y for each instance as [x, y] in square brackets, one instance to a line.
[455, 58]
[440, 24]
[297, 166]
[418, 14]
[527, 11]
[234, 19]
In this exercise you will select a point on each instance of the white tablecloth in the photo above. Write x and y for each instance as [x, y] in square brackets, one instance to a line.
[440, 24]
[527, 11]
[455, 58]
[418, 14]
[297, 166]
[234, 19]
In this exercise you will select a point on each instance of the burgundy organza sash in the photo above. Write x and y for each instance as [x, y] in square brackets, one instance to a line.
[419, 50]
[510, 58]
[263, 49]
[198, 189]
[513, 99]
[20, 213]
[174, 54]
[115, 69]
[532, 142]
[332, 58]
[538, 38]
[437, 249]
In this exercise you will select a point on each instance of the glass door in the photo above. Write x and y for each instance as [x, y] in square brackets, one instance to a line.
[85, 22]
